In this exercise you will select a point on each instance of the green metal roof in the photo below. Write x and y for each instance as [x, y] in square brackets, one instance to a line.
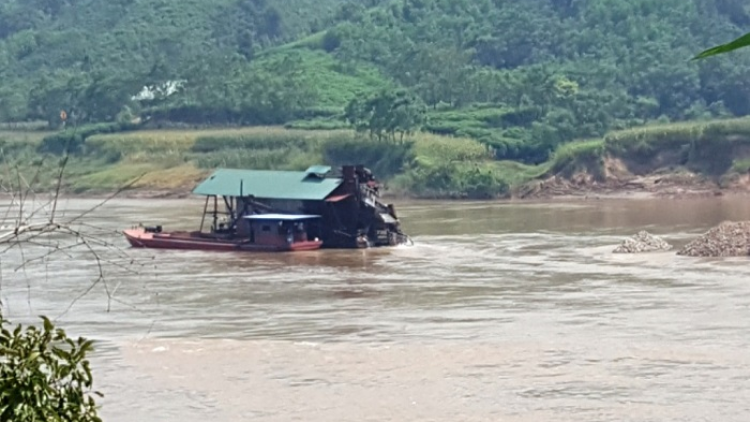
[294, 185]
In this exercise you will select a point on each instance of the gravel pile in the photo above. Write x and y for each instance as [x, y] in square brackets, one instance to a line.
[643, 242]
[726, 239]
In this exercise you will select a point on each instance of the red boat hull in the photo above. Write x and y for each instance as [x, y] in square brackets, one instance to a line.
[139, 238]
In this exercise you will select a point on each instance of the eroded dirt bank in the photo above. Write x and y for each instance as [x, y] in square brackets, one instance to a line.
[616, 178]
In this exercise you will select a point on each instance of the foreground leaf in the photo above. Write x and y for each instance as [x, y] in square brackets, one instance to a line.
[743, 41]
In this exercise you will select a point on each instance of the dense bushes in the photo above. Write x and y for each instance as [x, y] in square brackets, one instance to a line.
[384, 158]
[444, 179]
[44, 375]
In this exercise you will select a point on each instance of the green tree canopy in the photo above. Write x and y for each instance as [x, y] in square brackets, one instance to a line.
[521, 77]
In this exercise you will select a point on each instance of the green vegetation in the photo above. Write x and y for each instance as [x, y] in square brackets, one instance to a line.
[713, 149]
[512, 87]
[177, 159]
[710, 148]
[44, 375]
[584, 156]
[419, 165]
[519, 77]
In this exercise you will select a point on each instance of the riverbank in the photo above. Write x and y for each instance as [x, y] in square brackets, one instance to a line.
[649, 187]
[173, 161]
[553, 195]
[671, 161]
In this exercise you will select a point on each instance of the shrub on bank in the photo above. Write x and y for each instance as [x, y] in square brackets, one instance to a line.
[571, 158]
[443, 179]
[384, 158]
[72, 141]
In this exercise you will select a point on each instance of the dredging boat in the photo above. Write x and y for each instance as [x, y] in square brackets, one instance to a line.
[262, 233]
[284, 211]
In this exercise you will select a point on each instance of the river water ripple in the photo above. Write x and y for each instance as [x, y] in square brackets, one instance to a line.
[513, 312]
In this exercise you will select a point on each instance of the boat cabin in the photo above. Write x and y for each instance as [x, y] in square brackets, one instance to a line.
[279, 229]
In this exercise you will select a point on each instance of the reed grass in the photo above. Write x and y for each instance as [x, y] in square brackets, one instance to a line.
[23, 136]
[259, 159]
[442, 148]
[184, 176]
[515, 173]
[210, 139]
[644, 141]
[112, 177]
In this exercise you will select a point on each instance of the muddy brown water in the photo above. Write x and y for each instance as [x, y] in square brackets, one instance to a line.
[499, 312]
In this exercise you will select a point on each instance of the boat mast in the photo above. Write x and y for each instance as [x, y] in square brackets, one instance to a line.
[216, 210]
[205, 211]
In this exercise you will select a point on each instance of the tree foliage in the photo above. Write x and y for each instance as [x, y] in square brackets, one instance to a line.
[551, 70]
[44, 375]
[387, 115]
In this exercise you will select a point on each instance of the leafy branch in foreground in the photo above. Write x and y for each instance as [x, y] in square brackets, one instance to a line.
[741, 42]
[44, 375]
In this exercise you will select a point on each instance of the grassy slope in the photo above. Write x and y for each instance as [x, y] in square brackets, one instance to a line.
[176, 159]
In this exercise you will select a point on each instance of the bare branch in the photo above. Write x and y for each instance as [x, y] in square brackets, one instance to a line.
[58, 185]
[79, 297]
[104, 202]
[26, 277]
[56, 234]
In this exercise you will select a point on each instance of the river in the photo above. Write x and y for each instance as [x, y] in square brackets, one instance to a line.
[499, 312]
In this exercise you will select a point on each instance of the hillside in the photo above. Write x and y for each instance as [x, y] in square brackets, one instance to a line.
[520, 77]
